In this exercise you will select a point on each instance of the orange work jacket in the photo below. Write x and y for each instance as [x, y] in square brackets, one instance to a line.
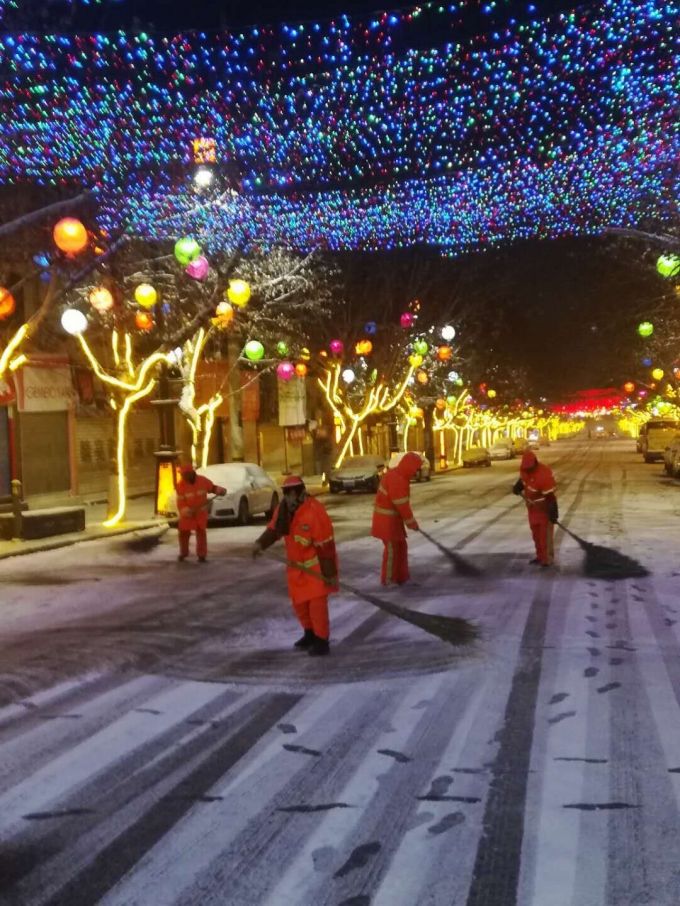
[193, 497]
[537, 485]
[392, 509]
[310, 539]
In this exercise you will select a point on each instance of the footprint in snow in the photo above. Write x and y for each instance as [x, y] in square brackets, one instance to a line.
[359, 857]
[287, 728]
[398, 756]
[302, 750]
[608, 687]
[446, 823]
[560, 717]
[590, 671]
[558, 697]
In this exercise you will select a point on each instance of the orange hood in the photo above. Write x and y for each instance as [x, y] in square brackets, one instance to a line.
[408, 465]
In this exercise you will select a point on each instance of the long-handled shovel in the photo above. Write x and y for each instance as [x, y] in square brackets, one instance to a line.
[462, 566]
[605, 562]
[454, 630]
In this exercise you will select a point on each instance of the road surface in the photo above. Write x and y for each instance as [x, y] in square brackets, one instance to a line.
[161, 743]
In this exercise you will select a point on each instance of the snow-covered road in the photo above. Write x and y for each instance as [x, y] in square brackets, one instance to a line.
[160, 742]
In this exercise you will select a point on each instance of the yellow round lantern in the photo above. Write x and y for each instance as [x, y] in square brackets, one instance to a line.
[70, 236]
[363, 347]
[657, 374]
[146, 295]
[305, 354]
[301, 369]
[422, 377]
[144, 321]
[491, 394]
[101, 299]
[238, 293]
[7, 303]
[415, 360]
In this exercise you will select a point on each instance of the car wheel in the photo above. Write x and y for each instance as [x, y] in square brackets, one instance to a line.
[272, 506]
[243, 517]
[488, 464]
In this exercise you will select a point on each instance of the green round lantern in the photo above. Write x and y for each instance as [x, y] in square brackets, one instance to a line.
[420, 347]
[451, 401]
[254, 350]
[281, 348]
[186, 250]
[668, 265]
[645, 329]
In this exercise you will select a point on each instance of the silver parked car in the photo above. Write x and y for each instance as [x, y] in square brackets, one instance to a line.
[424, 473]
[250, 492]
[502, 449]
[357, 473]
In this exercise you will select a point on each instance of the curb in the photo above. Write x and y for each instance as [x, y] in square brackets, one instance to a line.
[70, 540]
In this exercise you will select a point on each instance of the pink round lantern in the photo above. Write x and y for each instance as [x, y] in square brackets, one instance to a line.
[285, 371]
[407, 320]
[336, 347]
[198, 268]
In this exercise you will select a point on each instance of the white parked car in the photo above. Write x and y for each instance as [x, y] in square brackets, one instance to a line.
[250, 492]
[424, 473]
[476, 456]
[502, 449]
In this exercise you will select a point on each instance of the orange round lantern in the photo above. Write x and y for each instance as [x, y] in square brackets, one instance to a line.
[101, 299]
[444, 353]
[144, 321]
[422, 377]
[363, 347]
[224, 315]
[629, 386]
[441, 404]
[301, 369]
[70, 236]
[7, 303]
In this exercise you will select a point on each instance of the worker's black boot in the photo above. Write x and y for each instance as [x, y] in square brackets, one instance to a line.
[306, 641]
[319, 647]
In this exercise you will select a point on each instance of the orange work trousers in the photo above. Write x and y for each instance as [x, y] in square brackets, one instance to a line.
[543, 531]
[394, 562]
[313, 614]
[201, 543]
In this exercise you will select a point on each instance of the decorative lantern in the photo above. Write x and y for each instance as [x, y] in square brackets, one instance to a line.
[146, 295]
[285, 371]
[668, 265]
[421, 347]
[144, 321]
[451, 401]
[407, 320]
[444, 353]
[453, 376]
[238, 293]
[101, 299]
[657, 374]
[74, 321]
[440, 404]
[7, 304]
[282, 348]
[370, 328]
[363, 347]
[305, 354]
[186, 250]
[629, 386]
[224, 315]
[415, 360]
[645, 329]
[422, 377]
[70, 236]
[301, 369]
[647, 362]
[254, 350]
[198, 268]
[448, 333]
[348, 376]
[491, 394]
[336, 347]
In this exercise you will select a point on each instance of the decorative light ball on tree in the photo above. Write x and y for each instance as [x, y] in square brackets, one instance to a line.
[238, 293]
[451, 401]
[453, 376]
[285, 371]
[198, 268]
[415, 360]
[668, 265]
[491, 394]
[407, 320]
[422, 377]
[70, 236]
[254, 350]
[444, 353]
[348, 376]
[363, 347]
[224, 315]
[421, 347]
[301, 369]
[657, 374]
[370, 328]
[336, 347]
[74, 322]
[305, 354]
[645, 329]
[101, 299]
[7, 304]
[448, 333]
[629, 386]
[144, 321]
[186, 250]
[440, 404]
[146, 295]
[282, 348]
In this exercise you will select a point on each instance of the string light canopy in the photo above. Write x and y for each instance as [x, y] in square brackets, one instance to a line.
[350, 134]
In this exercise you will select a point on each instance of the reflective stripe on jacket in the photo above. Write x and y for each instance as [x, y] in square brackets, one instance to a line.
[538, 484]
[310, 539]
